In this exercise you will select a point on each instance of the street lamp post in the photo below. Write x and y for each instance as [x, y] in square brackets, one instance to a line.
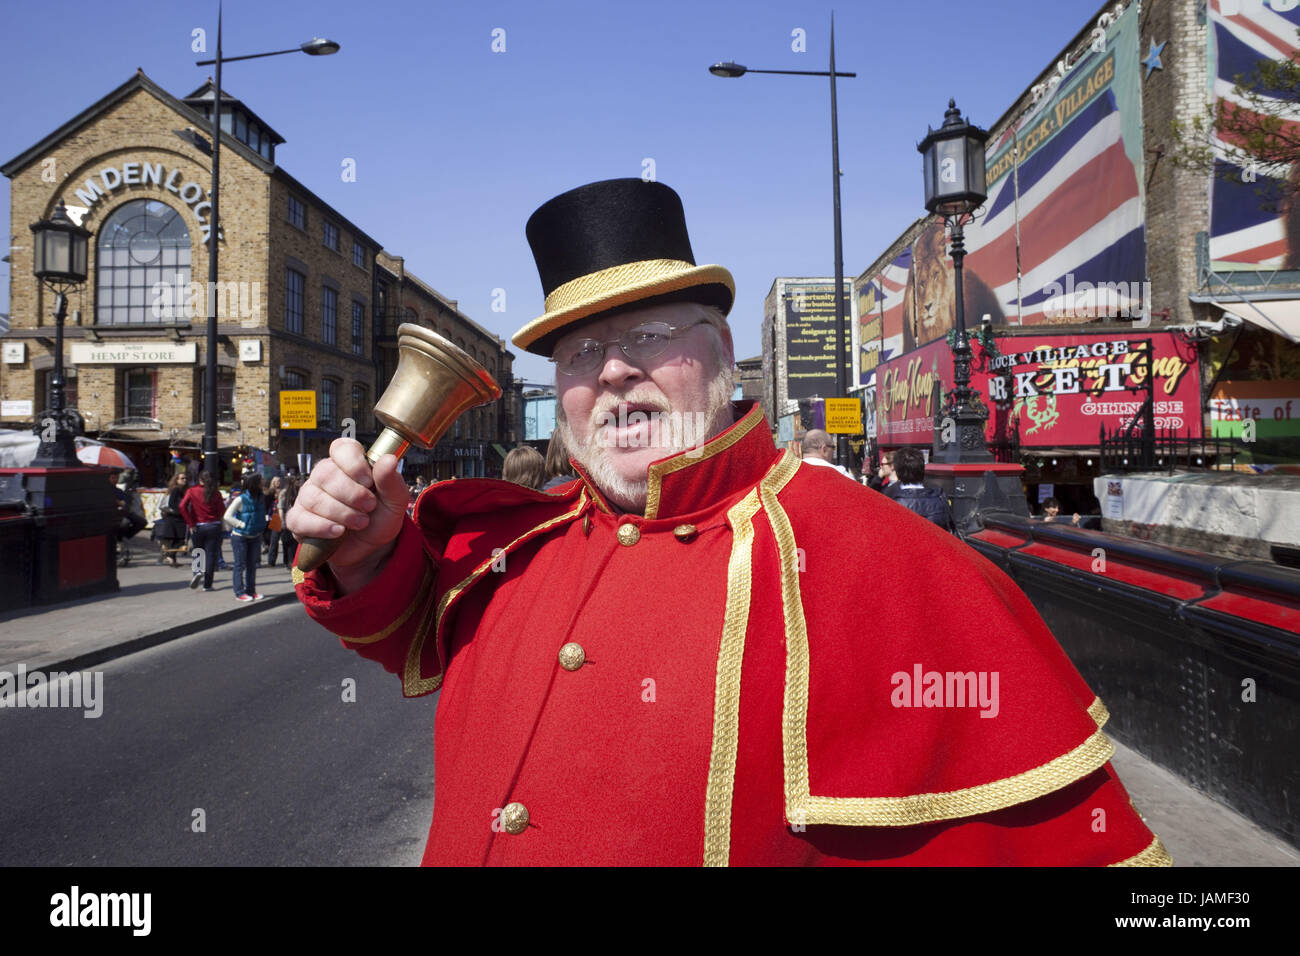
[953, 165]
[313, 47]
[960, 460]
[729, 69]
[60, 249]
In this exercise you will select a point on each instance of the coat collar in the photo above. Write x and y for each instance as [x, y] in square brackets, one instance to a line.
[728, 463]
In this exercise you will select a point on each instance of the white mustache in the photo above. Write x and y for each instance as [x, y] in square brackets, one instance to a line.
[607, 408]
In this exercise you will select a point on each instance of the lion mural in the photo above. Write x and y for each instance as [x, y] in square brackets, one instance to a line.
[930, 299]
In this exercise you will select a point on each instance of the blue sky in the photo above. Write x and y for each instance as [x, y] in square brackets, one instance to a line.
[455, 145]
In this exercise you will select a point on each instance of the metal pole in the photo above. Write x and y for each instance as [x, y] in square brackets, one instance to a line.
[961, 352]
[210, 457]
[841, 372]
[62, 451]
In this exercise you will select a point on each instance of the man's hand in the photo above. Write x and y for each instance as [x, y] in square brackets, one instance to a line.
[343, 494]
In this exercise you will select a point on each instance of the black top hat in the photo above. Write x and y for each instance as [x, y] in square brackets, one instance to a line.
[609, 245]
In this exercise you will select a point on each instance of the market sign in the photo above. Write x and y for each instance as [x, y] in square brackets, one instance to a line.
[1060, 389]
[1273, 407]
[134, 353]
[298, 408]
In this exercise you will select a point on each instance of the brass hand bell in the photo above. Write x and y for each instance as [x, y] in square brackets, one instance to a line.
[435, 383]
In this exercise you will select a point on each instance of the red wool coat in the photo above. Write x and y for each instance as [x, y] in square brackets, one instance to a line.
[736, 677]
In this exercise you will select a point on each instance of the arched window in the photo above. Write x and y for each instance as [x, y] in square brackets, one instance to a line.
[143, 243]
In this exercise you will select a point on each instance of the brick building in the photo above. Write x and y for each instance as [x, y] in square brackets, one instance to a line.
[306, 299]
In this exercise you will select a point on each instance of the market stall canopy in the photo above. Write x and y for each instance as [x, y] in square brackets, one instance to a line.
[1279, 316]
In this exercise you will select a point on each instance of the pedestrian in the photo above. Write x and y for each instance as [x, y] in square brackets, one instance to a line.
[134, 520]
[1052, 513]
[269, 501]
[285, 540]
[246, 518]
[929, 503]
[819, 451]
[888, 477]
[525, 466]
[665, 663]
[558, 469]
[202, 509]
[169, 527]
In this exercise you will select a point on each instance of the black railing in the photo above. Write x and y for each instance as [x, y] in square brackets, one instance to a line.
[1163, 449]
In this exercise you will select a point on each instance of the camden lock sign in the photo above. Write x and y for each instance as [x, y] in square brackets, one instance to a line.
[133, 353]
[111, 178]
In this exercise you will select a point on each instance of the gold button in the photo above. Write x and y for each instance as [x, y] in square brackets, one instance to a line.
[684, 532]
[514, 818]
[628, 534]
[572, 656]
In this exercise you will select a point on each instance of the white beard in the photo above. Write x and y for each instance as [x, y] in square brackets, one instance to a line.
[595, 458]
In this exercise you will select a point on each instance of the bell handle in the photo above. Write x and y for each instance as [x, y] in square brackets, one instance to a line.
[313, 552]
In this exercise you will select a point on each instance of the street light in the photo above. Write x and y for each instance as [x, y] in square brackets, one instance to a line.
[313, 47]
[952, 160]
[59, 246]
[732, 70]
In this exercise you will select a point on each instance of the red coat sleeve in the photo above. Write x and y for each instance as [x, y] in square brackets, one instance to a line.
[387, 619]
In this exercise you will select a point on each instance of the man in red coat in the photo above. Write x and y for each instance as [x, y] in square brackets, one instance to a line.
[682, 656]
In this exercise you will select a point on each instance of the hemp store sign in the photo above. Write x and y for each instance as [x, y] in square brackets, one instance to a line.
[111, 178]
[133, 353]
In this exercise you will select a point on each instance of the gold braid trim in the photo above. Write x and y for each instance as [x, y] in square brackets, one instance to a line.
[600, 283]
[416, 602]
[802, 808]
[1154, 855]
[710, 448]
[413, 684]
[726, 694]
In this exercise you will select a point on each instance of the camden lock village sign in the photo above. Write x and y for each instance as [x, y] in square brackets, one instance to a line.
[102, 185]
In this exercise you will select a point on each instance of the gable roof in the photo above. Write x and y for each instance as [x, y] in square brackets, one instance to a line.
[137, 82]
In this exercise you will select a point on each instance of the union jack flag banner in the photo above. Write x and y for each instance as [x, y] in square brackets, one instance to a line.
[880, 316]
[1248, 221]
[1061, 237]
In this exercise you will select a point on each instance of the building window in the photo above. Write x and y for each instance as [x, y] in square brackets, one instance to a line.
[329, 315]
[359, 407]
[332, 236]
[328, 405]
[225, 393]
[358, 328]
[138, 393]
[297, 213]
[142, 265]
[358, 255]
[292, 380]
[294, 283]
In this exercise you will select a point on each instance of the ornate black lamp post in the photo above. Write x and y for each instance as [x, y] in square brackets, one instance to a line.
[953, 163]
[59, 246]
[313, 47]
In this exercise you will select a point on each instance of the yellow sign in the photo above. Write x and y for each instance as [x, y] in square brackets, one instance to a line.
[844, 416]
[298, 409]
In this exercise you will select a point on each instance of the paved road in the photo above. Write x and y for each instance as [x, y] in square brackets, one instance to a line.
[246, 722]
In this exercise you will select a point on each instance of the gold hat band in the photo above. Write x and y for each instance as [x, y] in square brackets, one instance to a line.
[590, 286]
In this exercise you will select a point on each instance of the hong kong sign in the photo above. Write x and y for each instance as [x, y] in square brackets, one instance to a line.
[1060, 388]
